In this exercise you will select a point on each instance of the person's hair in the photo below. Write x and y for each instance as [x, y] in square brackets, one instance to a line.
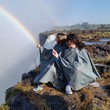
[61, 38]
[75, 39]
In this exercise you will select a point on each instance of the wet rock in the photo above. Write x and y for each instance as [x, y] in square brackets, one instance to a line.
[102, 68]
[107, 89]
[57, 103]
[108, 63]
[101, 96]
[27, 78]
[95, 39]
[42, 38]
[10, 94]
[21, 102]
[105, 48]
[108, 42]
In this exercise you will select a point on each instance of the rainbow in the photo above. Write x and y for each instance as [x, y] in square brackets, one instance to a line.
[19, 24]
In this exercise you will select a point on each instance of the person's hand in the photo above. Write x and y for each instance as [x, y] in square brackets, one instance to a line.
[38, 45]
[54, 53]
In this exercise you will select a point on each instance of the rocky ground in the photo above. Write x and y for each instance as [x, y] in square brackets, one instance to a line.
[88, 36]
[22, 96]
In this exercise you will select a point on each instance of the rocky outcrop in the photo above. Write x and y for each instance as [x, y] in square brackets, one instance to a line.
[102, 68]
[21, 102]
[52, 99]
[22, 96]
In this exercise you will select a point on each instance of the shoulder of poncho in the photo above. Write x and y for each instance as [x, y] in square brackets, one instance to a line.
[83, 50]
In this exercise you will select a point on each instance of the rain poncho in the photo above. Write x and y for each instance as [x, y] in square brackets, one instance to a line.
[73, 66]
[76, 68]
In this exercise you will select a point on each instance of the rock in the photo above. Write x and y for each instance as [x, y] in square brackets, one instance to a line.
[95, 39]
[10, 94]
[101, 96]
[21, 102]
[53, 103]
[42, 38]
[107, 89]
[102, 68]
[108, 63]
[108, 42]
[52, 99]
[26, 79]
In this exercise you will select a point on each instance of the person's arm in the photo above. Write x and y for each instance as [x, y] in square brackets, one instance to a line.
[38, 45]
[41, 48]
[54, 53]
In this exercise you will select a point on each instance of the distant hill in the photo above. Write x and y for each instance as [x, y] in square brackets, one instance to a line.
[83, 26]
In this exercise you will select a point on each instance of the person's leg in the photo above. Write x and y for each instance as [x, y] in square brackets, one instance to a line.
[68, 89]
[38, 88]
[95, 84]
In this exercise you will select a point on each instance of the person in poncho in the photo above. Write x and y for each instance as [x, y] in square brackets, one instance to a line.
[74, 67]
[47, 69]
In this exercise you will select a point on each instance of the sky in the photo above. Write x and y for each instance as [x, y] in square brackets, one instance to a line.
[76, 11]
[17, 52]
[58, 12]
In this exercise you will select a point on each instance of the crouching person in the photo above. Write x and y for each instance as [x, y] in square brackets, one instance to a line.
[74, 67]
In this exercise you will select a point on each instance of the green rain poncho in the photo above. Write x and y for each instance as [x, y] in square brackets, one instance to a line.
[72, 66]
[76, 68]
[47, 68]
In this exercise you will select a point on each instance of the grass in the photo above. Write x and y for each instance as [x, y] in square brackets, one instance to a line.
[96, 34]
[4, 107]
[21, 87]
[102, 59]
[85, 99]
